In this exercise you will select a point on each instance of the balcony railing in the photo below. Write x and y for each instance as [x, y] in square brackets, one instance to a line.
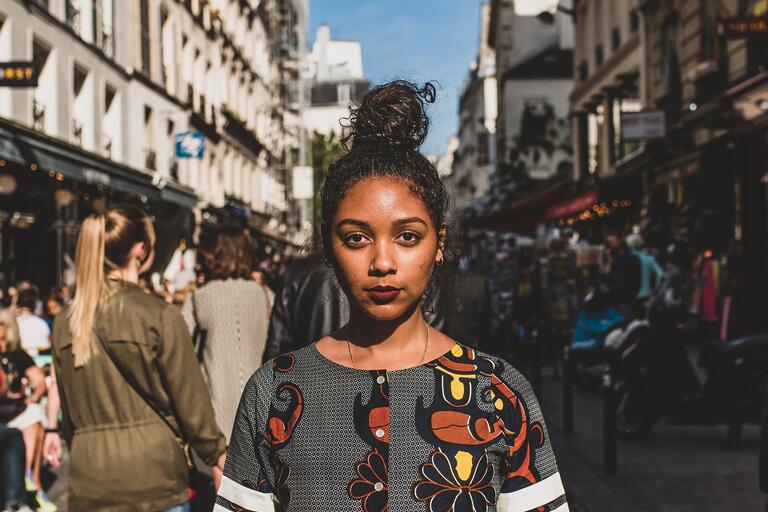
[107, 146]
[77, 133]
[38, 116]
[107, 43]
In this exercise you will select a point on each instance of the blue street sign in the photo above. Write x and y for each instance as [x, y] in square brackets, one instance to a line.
[190, 145]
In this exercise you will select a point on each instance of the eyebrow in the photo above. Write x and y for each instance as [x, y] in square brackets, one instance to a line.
[364, 224]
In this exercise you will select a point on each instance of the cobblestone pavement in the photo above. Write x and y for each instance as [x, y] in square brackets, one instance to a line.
[676, 469]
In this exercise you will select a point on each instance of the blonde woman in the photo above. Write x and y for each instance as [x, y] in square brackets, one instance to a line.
[20, 409]
[130, 387]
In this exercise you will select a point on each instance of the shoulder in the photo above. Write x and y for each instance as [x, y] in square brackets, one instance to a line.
[32, 322]
[21, 358]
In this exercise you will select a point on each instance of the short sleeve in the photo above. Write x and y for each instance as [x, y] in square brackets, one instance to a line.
[530, 478]
[24, 361]
[248, 477]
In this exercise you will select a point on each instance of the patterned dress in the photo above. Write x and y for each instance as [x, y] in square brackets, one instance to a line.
[462, 433]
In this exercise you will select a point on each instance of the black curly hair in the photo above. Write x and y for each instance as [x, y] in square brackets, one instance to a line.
[387, 130]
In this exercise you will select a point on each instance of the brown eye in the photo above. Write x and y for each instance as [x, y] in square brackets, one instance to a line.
[355, 239]
[410, 238]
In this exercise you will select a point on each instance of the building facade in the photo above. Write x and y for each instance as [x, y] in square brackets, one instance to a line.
[696, 176]
[112, 98]
[474, 161]
[334, 71]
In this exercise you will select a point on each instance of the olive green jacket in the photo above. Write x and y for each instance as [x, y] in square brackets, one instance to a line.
[123, 457]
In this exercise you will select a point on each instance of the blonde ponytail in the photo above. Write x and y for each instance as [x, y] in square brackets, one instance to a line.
[89, 286]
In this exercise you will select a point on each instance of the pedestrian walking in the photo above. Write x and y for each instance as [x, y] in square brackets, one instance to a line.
[12, 465]
[19, 404]
[33, 330]
[388, 413]
[229, 316]
[131, 390]
[307, 307]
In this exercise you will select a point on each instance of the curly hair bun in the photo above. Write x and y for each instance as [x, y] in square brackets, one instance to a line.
[392, 116]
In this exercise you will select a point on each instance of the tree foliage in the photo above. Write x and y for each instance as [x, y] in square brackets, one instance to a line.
[325, 150]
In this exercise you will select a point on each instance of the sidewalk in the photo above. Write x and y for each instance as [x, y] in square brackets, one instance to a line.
[676, 469]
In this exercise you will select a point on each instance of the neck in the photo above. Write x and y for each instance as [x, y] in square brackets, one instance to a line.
[129, 274]
[386, 337]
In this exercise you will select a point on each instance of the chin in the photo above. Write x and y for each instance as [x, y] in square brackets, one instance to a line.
[384, 312]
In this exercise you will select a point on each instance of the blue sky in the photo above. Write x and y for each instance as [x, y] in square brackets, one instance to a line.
[416, 40]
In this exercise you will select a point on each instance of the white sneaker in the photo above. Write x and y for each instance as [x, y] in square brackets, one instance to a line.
[20, 508]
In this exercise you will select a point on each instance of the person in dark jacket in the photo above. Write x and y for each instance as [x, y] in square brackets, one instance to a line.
[311, 305]
[310, 293]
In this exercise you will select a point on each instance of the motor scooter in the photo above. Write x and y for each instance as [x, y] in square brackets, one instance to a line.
[662, 369]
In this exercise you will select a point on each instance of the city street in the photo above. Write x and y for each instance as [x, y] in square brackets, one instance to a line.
[210, 209]
[676, 469]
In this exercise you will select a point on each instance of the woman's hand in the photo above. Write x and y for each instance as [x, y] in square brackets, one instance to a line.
[218, 470]
[52, 448]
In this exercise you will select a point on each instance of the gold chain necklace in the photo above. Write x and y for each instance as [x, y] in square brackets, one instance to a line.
[423, 354]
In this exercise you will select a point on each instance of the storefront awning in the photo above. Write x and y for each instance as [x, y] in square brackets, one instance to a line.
[26, 147]
[526, 213]
[52, 156]
[572, 206]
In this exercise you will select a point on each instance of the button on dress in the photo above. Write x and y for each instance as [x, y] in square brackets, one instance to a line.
[461, 433]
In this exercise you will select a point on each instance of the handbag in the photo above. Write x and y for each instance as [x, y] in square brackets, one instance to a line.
[199, 483]
[199, 335]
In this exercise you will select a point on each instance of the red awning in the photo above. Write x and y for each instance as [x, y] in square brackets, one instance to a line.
[526, 213]
[573, 205]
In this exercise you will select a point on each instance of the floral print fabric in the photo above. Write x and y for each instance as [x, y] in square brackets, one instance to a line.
[461, 433]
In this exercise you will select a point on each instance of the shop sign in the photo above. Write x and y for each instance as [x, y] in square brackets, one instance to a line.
[742, 27]
[302, 183]
[96, 177]
[190, 145]
[18, 74]
[650, 124]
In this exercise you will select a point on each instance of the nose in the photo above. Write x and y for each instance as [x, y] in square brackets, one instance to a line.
[383, 261]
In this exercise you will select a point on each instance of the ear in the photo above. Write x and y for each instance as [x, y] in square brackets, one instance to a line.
[442, 236]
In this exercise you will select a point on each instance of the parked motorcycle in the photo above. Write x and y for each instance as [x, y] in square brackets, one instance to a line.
[662, 370]
[596, 324]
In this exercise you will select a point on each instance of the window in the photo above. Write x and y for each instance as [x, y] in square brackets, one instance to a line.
[72, 13]
[483, 149]
[145, 37]
[103, 23]
[343, 93]
[634, 17]
[43, 100]
[111, 122]
[80, 110]
[150, 157]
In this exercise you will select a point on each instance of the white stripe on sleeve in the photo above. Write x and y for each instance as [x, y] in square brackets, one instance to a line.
[245, 497]
[533, 496]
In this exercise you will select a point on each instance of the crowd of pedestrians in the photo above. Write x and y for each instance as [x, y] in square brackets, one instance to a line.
[144, 376]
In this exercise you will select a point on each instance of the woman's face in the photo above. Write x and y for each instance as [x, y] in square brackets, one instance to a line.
[52, 307]
[384, 246]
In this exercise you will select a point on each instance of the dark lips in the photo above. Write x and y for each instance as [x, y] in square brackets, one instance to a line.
[383, 295]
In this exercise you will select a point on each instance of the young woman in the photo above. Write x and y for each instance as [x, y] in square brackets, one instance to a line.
[22, 410]
[388, 413]
[232, 311]
[123, 358]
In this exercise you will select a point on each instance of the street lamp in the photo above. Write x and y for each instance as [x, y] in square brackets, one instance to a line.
[548, 17]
